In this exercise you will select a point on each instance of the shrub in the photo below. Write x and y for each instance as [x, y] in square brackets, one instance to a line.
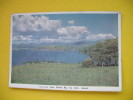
[88, 63]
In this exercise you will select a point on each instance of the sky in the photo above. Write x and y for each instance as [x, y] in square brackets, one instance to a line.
[63, 28]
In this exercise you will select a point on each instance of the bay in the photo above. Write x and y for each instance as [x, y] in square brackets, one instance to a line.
[20, 57]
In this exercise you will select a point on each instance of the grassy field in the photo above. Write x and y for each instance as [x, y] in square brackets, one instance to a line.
[64, 74]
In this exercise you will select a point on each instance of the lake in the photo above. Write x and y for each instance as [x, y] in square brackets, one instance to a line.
[20, 57]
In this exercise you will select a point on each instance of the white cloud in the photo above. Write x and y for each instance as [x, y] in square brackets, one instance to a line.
[20, 37]
[47, 40]
[30, 23]
[71, 33]
[62, 39]
[100, 36]
[71, 22]
[76, 38]
[69, 38]
[72, 30]
[34, 23]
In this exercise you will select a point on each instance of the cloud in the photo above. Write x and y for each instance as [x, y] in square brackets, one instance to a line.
[71, 22]
[100, 36]
[72, 30]
[47, 40]
[61, 39]
[76, 38]
[51, 31]
[34, 23]
[23, 38]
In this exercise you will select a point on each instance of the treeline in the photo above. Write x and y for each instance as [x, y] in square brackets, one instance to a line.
[104, 53]
[39, 62]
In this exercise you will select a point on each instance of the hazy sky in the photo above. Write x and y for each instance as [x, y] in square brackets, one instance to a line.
[63, 28]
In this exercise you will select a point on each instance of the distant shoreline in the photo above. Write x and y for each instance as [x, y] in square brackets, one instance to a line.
[43, 49]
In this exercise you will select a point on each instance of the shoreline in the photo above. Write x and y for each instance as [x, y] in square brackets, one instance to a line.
[44, 49]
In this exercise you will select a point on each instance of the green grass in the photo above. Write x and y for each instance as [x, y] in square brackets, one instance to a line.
[64, 74]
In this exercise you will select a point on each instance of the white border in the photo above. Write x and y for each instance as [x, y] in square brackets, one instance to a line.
[71, 88]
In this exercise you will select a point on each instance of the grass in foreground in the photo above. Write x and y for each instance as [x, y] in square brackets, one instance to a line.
[64, 74]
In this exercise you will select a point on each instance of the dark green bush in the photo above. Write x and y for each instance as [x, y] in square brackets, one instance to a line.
[88, 63]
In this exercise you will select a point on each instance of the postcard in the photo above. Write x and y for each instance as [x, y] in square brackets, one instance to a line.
[73, 51]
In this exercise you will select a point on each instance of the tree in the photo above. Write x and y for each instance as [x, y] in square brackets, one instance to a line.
[88, 63]
[104, 53]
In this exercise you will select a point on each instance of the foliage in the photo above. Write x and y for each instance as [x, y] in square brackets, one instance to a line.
[88, 63]
[104, 53]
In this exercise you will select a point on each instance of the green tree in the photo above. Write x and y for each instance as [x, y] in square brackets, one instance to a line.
[104, 53]
[88, 63]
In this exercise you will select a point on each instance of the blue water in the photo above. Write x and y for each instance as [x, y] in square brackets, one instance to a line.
[20, 57]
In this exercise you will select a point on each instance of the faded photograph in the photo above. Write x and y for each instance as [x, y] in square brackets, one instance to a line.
[71, 49]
